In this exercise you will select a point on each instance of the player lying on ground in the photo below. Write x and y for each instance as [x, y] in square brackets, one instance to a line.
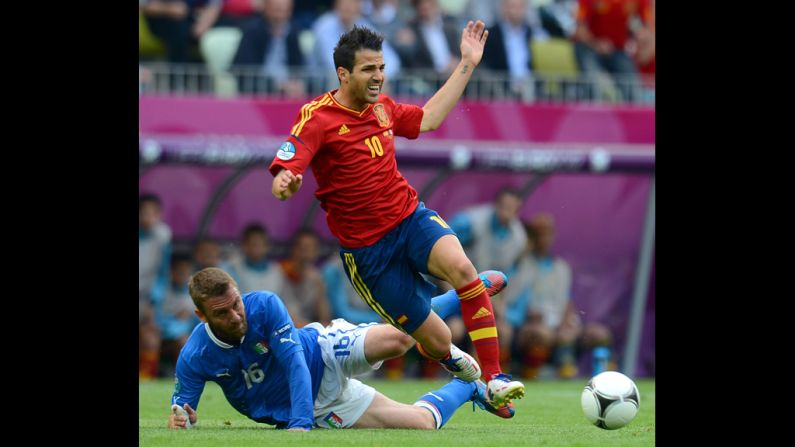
[296, 378]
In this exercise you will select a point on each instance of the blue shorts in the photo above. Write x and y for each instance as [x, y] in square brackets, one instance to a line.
[386, 275]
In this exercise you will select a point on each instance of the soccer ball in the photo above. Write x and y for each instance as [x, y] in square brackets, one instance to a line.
[610, 400]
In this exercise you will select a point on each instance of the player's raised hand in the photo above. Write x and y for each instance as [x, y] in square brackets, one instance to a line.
[180, 416]
[285, 184]
[473, 39]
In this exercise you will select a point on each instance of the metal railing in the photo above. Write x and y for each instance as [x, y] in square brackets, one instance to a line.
[193, 79]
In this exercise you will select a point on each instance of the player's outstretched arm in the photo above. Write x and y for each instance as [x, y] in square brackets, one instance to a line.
[285, 184]
[473, 40]
[182, 417]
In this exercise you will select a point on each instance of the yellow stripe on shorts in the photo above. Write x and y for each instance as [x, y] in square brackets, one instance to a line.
[364, 292]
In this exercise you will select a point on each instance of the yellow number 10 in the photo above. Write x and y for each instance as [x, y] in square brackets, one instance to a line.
[375, 146]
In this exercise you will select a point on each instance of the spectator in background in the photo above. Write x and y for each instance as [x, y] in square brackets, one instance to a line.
[508, 49]
[252, 269]
[558, 17]
[539, 304]
[492, 234]
[206, 254]
[180, 23]
[489, 10]
[431, 40]
[605, 37]
[385, 16]
[330, 26]
[272, 44]
[175, 314]
[154, 251]
[304, 293]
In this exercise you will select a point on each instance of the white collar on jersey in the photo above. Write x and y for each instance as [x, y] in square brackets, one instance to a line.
[217, 341]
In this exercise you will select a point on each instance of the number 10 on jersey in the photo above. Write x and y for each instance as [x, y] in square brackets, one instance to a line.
[374, 143]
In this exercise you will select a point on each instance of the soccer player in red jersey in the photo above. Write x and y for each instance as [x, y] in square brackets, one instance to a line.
[387, 236]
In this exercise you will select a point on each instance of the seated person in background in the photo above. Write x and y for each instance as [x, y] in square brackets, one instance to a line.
[605, 39]
[303, 291]
[431, 40]
[251, 268]
[154, 252]
[175, 314]
[327, 30]
[271, 43]
[207, 253]
[180, 23]
[539, 309]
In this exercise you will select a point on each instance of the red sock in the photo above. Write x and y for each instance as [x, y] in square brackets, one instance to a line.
[478, 316]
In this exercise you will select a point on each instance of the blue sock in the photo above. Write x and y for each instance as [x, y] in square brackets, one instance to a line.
[446, 304]
[443, 402]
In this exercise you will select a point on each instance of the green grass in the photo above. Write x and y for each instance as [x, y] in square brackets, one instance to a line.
[549, 415]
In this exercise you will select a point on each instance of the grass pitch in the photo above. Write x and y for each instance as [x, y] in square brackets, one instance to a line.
[548, 416]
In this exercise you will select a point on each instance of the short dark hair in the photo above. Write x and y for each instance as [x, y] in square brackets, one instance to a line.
[304, 231]
[254, 228]
[354, 40]
[508, 191]
[151, 198]
[209, 283]
[180, 258]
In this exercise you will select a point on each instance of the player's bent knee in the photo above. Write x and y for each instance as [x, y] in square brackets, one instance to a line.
[463, 272]
[438, 345]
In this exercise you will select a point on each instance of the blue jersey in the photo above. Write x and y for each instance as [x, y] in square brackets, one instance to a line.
[267, 377]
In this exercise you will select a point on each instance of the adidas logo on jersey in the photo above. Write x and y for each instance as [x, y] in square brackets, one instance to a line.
[482, 312]
[343, 130]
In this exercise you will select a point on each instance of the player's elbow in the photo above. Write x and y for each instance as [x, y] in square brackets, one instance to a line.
[429, 121]
[428, 127]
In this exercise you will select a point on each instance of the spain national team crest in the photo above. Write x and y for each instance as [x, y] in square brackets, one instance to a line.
[333, 420]
[380, 113]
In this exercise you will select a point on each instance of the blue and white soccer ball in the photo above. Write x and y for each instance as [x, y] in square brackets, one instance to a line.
[610, 400]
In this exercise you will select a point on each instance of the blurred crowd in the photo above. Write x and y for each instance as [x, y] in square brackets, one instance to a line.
[602, 40]
[540, 330]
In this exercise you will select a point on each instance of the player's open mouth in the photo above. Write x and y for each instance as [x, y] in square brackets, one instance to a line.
[375, 88]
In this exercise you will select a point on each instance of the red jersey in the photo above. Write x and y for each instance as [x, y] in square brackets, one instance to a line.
[352, 155]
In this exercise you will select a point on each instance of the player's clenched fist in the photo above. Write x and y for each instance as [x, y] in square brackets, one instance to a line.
[285, 184]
